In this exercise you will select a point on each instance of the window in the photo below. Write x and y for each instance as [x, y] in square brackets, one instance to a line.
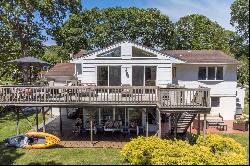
[174, 72]
[202, 73]
[136, 52]
[219, 73]
[210, 73]
[116, 52]
[215, 102]
[102, 75]
[78, 68]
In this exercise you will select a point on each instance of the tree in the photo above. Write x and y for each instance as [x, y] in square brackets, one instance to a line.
[97, 28]
[198, 32]
[240, 18]
[55, 54]
[23, 24]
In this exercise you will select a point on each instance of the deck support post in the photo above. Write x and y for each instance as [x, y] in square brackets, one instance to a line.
[169, 124]
[51, 113]
[17, 121]
[60, 112]
[199, 124]
[37, 128]
[204, 128]
[43, 114]
[175, 126]
[91, 129]
[159, 120]
[146, 123]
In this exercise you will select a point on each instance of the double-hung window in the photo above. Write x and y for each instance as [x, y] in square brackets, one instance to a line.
[210, 73]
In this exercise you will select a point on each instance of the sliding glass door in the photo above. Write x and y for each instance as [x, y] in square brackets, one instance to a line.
[108, 75]
[150, 75]
[102, 75]
[144, 75]
[114, 75]
[138, 75]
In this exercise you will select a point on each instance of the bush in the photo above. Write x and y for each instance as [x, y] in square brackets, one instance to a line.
[219, 144]
[153, 150]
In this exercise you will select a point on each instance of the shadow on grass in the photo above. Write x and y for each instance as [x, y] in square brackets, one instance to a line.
[8, 154]
[45, 163]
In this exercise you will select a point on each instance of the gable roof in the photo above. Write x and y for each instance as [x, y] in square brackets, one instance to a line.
[115, 45]
[62, 69]
[201, 56]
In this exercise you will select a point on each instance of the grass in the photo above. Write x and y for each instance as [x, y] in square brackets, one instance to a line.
[9, 156]
[62, 156]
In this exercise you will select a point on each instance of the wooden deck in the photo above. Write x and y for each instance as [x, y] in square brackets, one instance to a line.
[136, 96]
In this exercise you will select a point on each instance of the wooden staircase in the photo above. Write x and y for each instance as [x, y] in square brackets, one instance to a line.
[181, 121]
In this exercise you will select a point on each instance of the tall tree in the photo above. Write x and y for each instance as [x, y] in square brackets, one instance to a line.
[23, 24]
[199, 32]
[98, 28]
[240, 18]
[55, 54]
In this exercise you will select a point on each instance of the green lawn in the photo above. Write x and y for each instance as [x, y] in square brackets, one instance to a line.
[63, 156]
[49, 156]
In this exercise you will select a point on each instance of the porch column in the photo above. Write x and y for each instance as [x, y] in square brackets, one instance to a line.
[199, 124]
[37, 119]
[159, 119]
[60, 112]
[204, 128]
[43, 113]
[17, 121]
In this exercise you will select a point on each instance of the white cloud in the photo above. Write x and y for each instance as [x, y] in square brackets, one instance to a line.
[216, 10]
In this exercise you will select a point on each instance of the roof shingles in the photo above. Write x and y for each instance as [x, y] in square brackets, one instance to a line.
[62, 69]
[201, 56]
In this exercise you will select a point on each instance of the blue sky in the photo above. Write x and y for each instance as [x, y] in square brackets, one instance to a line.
[216, 10]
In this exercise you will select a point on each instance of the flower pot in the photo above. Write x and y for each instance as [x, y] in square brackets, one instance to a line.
[242, 126]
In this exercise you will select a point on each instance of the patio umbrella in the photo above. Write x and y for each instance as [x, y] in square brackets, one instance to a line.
[28, 61]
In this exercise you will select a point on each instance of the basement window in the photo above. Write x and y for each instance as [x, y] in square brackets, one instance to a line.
[215, 101]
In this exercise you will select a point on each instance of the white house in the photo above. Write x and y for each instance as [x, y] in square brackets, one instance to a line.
[130, 63]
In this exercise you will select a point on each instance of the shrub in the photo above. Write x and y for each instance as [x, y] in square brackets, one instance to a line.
[153, 150]
[139, 150]
[219, 144]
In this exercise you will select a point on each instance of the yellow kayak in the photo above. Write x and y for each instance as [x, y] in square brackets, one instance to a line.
[38, 140]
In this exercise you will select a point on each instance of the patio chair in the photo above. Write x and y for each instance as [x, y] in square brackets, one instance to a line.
[126, 90]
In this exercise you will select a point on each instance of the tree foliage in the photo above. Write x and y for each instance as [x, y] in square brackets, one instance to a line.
[23, 24]
[199, 32]
[55, 54]
[98, 28]
[240, 18]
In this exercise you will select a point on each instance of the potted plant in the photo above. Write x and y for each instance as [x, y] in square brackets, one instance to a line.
[241, 123]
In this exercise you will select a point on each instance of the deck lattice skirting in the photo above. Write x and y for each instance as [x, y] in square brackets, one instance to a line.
[166, 99]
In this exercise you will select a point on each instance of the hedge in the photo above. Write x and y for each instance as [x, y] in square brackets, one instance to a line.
[156, 151]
